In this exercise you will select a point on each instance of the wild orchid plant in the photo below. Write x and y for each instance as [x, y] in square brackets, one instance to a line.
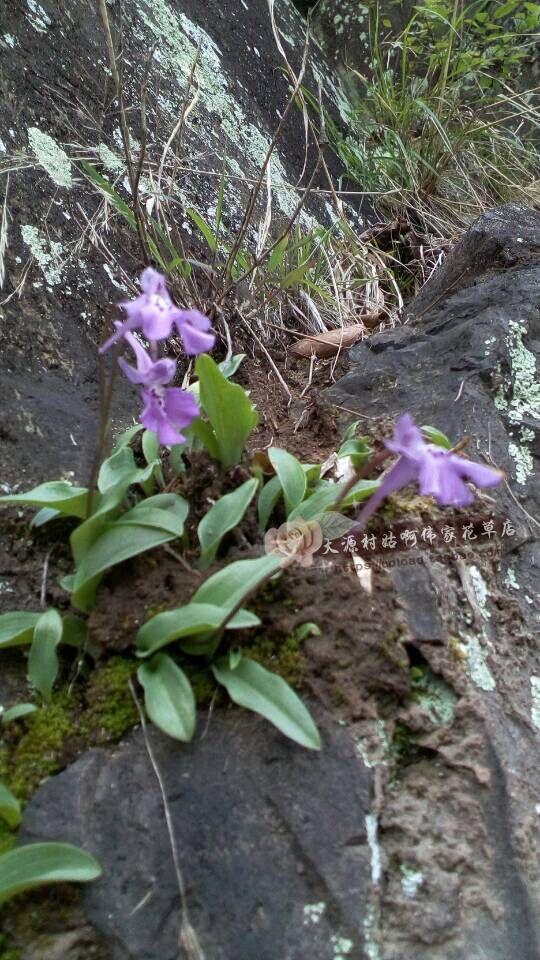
[125, 517]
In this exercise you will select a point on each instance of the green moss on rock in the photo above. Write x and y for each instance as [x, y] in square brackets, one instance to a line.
[7, 841]
[281, 655]
[38, 753]
[110, 710]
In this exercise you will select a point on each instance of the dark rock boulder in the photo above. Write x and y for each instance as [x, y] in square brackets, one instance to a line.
[466, 361]
[67, 253]
[272, 842]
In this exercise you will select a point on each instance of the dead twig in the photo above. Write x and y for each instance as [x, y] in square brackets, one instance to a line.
[187, 938]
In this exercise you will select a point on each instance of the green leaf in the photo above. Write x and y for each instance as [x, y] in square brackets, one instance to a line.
[233, 583]
[202, 431]
[312, 472]
[204, 228]
[57, 494]
[168, 697]
[235, 657]
[150, 446]
[291, 476]
[437, 437]
[74, 632]
[17, 627]
[357, 450]
[105, 509]
[24, 868]
[323, 496]
[277, 254]
[114, 546]
[230, 366]
[229, 410]
[251, 686]
[295, 277]
[144, 527]
[126, 437]
[268, 497]
[43, 659]
[167, 511]
[17, 712]
[335, 525]
[188, 621]
[306, 630]
[120, 471]
[10, 808]
[224, 515]
[103, 184]
[360, 492]
[43, 516]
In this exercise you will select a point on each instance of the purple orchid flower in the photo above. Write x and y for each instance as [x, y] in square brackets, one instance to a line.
[438, 472]
[166, 409]
[156, 315]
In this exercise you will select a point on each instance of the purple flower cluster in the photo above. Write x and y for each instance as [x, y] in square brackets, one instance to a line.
[166, 409]
[438, 472]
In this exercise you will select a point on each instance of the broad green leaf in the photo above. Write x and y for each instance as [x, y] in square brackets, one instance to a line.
[106, 508]
[437, 437]
[188, 621]
[323, 496]
[43, 659]
[56, 494]
[312, 472]
[291, 476]
[255, 688]
[233, 583]
[126, 437]
[167, 511]
[203, 431]
[334, 525]
[357, 450]
[24, 868]
[17, 712]
[150, 447]
[235, 657]
[229, 410]
[10, 808]
[230, 366]
[204, 228]
[17, 627]
[168, 697]
[176, 461]
[268, 497]
[350, 433]
[120, 471]
[124, 539]
[224, 515]
[227, 367]
[43, 516]
[360, 492]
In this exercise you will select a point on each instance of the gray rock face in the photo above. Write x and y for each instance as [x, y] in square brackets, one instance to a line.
[272, 842]
[69, 253]
[466, 361]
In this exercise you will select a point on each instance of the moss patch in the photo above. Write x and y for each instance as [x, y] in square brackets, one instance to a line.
[110, 710]
[38, 753]
[45, 742]
[281, 655]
